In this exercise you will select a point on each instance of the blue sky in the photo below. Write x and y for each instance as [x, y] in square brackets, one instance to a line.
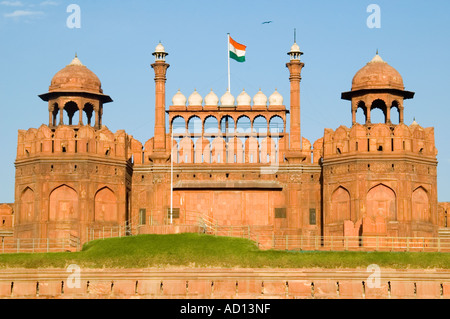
[116, 40]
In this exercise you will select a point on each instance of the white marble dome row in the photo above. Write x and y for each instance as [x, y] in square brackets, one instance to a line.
[227, 99]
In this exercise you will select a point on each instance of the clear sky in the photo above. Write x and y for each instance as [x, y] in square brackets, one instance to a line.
[116, 39]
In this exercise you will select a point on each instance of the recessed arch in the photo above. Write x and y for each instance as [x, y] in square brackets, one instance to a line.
[105, 203]
[63, 204]
[420, 205]
[340, 206]
[26, 213]
[381, 203]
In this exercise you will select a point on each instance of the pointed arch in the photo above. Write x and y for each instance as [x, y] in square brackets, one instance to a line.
[26, 213]
[63, 204]
[420, 205]
[260, 124]
[105, 206]
[276, 125]
[340, 206]
[211, 125]
[381, 202]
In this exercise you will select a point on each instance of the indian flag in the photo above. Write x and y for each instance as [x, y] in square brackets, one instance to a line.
[237, 50]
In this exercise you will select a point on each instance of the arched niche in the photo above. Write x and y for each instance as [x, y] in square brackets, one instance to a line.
[63, 204]
[340, 206]
[105, 209]
[381, 203]
[420, 205]
[26, 213]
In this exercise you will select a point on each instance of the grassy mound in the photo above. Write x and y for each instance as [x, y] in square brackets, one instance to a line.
[195, 250]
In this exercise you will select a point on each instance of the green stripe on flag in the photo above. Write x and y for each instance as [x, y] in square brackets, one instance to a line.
[237, 58]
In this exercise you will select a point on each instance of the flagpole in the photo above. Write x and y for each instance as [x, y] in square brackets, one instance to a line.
[228, 55]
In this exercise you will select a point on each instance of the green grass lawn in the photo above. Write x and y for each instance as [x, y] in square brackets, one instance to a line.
[194, 250]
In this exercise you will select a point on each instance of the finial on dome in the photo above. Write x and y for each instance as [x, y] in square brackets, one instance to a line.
[377, 58]
[76, 61]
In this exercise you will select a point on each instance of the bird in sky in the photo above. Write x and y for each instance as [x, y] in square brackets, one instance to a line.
[267, 22]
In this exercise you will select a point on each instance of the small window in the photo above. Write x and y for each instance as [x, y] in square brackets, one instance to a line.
[280, 212]
[175, 213]
[312, 216]
[142, 216]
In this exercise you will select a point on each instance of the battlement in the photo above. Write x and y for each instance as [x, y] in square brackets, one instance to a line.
[380, 139]
[73, 141]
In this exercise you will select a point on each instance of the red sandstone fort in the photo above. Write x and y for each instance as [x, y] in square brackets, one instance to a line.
[230, 161]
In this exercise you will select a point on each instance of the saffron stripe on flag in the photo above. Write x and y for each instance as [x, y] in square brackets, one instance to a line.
[238, 46]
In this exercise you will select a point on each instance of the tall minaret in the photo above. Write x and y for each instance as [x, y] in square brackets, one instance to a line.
[295, 67]
[160, 67]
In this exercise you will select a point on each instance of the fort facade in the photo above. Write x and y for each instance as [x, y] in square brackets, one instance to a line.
[236, 161]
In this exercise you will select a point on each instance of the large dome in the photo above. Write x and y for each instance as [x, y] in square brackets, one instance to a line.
[377, 74]
[76, 77]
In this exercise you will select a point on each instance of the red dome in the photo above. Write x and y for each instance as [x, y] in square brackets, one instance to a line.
[76, 77]
[377, 74]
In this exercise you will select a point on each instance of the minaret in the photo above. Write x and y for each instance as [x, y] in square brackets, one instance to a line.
[160, 67]
[295, 67]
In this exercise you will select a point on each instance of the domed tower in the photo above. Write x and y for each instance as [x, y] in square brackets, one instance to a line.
[74, 89]
[73, 176]
[379, 179]
[377, 86]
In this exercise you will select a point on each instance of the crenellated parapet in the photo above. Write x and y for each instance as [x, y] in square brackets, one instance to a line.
[69, 142]
[380, 139]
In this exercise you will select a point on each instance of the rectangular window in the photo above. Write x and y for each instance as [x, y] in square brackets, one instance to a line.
[175, 213]
[312, 216]
[142, 216]
[280, 212]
